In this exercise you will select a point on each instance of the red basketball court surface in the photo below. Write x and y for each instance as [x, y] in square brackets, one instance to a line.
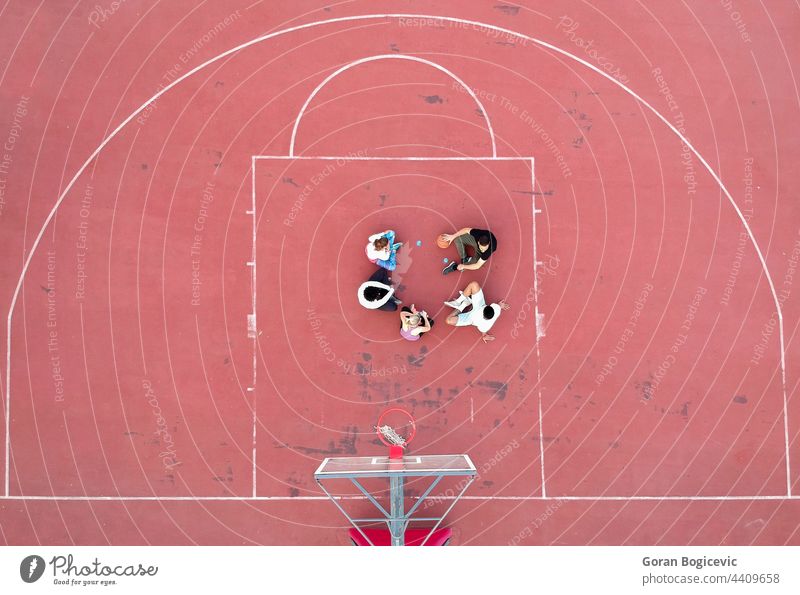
[187, 190]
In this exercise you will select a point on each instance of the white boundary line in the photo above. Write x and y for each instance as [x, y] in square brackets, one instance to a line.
[325, 498]
[411, 58]
[346, 158]
[313, 24]
[536, 264]
[360, 158]
[252, 388]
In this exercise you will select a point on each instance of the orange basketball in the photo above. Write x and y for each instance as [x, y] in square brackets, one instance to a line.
[442, 241]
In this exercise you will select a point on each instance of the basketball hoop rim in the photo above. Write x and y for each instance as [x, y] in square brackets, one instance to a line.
[408, 438]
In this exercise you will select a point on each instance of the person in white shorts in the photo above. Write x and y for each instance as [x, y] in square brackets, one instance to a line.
[471, 310]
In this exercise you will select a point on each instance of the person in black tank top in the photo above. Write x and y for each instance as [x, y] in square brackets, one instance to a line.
[481, 242]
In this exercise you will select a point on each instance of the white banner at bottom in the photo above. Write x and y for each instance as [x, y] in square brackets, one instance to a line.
[340, 570]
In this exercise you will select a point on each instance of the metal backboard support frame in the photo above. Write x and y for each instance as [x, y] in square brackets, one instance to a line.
[397, 471]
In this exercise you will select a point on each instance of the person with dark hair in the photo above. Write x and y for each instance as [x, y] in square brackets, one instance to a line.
[382, 249]
[377, 292]
[414, 323]
[470, 308]
[481, 242]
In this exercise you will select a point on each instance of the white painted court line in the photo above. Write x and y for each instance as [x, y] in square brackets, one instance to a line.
[254, 318]
[325, 498]
[358, 158]
[254, 158]
[536, 264]
[411, 58]
[313, 24]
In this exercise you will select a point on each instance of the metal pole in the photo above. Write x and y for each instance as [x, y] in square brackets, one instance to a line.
[397, 514]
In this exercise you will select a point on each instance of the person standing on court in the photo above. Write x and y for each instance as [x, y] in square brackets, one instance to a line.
[481, 242]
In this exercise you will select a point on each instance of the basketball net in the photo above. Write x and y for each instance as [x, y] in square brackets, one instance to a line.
[391, 435]
[391, 438]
